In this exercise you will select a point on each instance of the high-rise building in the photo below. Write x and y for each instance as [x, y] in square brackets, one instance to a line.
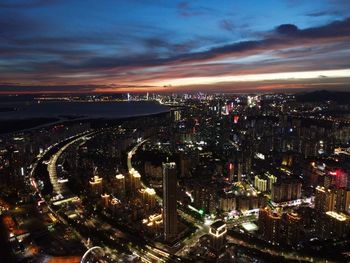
[271, 179]
[332, 225]
[280, 227]
[260, 184]
[115, 205]
[217, 232]
[120, 186]
[286, 191]
[231, 171]
[325, 199]
[135, 180]
[269, 224]
[239, 171]
[169, 201]
[290, 228]
[96, 185]
[105, 199]
[149, 197]
[343, 200]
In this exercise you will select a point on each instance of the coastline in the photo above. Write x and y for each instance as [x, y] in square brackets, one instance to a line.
[10, 126]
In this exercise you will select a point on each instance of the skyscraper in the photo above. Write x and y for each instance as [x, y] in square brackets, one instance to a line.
[120, 185]
[260, 184]
[169, 201]
[325, 199]
[217, 233]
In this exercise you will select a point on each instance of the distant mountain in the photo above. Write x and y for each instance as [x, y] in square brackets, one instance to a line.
[323, 96]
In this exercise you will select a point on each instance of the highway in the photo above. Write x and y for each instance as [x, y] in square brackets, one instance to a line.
[58, 187]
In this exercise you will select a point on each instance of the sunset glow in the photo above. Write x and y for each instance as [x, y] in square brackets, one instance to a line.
[168, 46]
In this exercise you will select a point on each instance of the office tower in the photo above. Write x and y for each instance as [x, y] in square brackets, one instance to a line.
[119, 186]
[169, 201]
[217, 232]
[260, 184]
[325, 199]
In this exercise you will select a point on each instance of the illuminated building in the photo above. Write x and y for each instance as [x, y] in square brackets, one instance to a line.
[150, 197]
[343, 200]
[115, 205]
[332, 200]
[231, 172]
[177, 115]
[328, 175]
[227, 202]
[153, 222]
[290, 228]
[336, 178]
[286, 191]
[205, 196]
[333, 225]
[325, 199]
[271, 179]
[239, 171]
[242, 202]
[135, 180]
[96, 185]
[269, 224]
[217, 232]
[105, 199]
[260, 184]
[120, 185]
[169, 201]
[185, 165]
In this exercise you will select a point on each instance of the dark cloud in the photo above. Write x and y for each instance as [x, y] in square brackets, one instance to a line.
[68, 58]
[290, 34]
[14, 24]
[332, 30]
[156, 43]
[52, 88]
[227, 25]
[287, 29]
[26, 3]
[324, 13]
[185, 9]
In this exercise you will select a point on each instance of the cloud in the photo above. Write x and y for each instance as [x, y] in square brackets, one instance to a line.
[287, 29]
[26, 3]
[323, 13]
[289, 48]
[227, 25]
[185, 9]
[284, 36]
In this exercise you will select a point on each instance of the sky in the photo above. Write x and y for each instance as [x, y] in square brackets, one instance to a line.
[83, 46]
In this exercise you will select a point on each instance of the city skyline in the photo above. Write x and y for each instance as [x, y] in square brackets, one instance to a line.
[176, 46]
[175, 178]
